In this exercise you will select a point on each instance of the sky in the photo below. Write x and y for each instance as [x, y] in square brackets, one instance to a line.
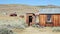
[31, 2]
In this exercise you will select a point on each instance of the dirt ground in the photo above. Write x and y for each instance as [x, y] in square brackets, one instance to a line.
[32, 30]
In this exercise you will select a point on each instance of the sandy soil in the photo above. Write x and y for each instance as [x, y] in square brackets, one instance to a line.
[32, 30]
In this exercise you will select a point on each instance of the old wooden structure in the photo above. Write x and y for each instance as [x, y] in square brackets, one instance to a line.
[47, 17]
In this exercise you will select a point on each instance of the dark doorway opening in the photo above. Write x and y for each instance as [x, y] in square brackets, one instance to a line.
[30, 20]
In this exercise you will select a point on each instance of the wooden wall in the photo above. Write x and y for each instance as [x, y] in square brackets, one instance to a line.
[59, 20]
[42, 20]
[55, 19]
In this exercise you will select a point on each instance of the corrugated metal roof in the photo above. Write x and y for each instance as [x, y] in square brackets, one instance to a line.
[49, 11]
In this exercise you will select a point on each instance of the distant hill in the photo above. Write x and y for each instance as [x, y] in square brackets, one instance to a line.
[16, 8]
[49, 6]
[6, 9]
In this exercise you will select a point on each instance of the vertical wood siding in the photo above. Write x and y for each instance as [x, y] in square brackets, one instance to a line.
[55, 20]
[42, 19]
[27, 19]
[59, 20]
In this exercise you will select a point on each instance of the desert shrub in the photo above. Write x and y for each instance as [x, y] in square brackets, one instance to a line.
[17, 24]
[5, 31]
[21, 26]
[20, 23]
[25, 25]
[56, 29]
[36, 25]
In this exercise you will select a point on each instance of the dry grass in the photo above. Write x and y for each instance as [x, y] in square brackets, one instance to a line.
[28, 30]
[32, 30]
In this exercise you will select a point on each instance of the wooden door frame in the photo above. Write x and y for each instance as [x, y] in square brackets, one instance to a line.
[27, 17]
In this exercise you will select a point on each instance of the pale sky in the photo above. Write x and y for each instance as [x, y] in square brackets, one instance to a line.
[31, 2]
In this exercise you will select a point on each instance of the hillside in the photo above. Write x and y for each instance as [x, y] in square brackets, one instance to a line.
[49, 6]
[20, 9]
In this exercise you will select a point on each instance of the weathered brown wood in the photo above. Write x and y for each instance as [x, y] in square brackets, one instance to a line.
[55, 20]
[27, 19]
[59, 19]
[42, 19]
